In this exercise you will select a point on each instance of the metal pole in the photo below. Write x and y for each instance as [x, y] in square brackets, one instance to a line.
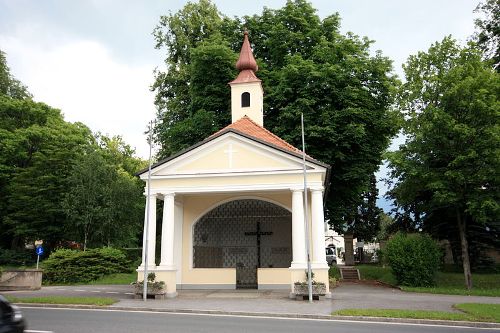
[37, 260]
[146, 246]
[306, 212]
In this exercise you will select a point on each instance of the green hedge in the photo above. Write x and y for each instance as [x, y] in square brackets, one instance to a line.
[17, 257]
[414, 259]
[70, 266]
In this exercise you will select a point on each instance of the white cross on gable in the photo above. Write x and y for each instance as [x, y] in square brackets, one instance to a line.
[230, 151]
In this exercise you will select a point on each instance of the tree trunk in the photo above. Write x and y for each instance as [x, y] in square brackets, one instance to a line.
[348, 251]
[85, 241]
[465, 250]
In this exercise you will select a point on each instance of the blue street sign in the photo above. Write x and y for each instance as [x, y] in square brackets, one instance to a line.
[39, 250]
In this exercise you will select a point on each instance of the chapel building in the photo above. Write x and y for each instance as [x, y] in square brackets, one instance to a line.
[233, 204]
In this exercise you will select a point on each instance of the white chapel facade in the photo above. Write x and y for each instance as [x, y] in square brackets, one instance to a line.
[233, 204]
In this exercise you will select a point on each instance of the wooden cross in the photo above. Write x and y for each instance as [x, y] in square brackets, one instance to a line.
[258, 233]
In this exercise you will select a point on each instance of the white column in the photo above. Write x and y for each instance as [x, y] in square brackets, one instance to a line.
[298, 232]
[151, 232]
[318, 227]
[167, 232]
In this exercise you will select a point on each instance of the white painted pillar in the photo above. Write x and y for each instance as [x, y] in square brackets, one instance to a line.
[298, 231]
[167, 232]
[152, 232]
[318, 227]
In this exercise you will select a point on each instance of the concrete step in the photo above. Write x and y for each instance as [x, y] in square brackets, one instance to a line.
[349, 274]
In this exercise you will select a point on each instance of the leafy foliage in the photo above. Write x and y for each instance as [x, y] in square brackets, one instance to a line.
[306, 66]
[16, 258]
[39, 157]
[9, 86]
[447, 170]
[414, 259]
[488, 34]
[70, 266]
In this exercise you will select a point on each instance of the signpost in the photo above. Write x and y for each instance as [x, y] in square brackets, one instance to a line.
[39, 252]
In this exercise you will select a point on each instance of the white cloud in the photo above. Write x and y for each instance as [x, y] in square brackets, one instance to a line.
[82, 79]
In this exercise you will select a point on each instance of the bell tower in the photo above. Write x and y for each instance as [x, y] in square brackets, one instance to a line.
[247, 95]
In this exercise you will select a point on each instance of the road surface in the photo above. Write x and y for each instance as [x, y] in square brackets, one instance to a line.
[44, 320]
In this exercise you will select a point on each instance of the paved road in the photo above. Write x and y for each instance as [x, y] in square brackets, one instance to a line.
[346, 296]
[97, 321]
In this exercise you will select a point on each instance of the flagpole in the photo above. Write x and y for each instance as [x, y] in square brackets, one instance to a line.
[148, 208]
[306, 212]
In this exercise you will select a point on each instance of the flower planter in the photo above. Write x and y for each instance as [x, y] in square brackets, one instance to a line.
[301, 290]
[155, 289]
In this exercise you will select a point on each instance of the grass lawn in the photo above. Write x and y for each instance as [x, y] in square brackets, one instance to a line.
[100, 301]
[471, 312]
[118, 278]
[446, 282]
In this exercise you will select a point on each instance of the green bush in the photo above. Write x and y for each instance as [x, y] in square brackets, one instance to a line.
[70, 266]
[17, 257]
[334, 272]
[414, 259]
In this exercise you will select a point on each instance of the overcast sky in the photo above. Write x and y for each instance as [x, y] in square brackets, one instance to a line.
[94, 59]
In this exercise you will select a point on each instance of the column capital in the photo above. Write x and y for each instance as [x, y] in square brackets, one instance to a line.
[316, 189]
[297, 189]
[168, 194]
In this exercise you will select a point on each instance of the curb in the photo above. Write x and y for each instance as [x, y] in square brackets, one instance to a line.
[272, 315]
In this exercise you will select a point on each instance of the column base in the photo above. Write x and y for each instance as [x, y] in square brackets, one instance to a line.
[320, 265]
[166, 268]
[151, 268]
[298, 265]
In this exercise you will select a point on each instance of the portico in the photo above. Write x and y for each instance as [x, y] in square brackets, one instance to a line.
[233, 205]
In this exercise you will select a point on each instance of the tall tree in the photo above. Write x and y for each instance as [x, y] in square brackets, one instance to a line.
[306, 65]
[451, 156]
[9, 86]
[37, 149]
[104, 203]
[488, 34]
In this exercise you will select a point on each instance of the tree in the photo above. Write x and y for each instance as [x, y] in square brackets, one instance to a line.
[9, 86]
[451, 156]
[306, 65]
[104, 204]
[488, 34]
[367, 221]
[37, 150]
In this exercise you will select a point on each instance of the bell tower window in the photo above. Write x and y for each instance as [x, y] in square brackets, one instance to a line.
[245, 100]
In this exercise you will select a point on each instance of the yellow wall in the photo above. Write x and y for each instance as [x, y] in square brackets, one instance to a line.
[243, 157]
[195, 206]
[273, 276]
[234, 180]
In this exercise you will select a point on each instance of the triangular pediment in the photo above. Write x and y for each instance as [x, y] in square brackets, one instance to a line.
[231, 153]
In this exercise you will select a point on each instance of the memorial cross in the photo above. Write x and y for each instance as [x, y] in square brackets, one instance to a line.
[258, 233]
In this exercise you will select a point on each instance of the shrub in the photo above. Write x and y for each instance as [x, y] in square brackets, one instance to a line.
[71, 266]
[414, 259]
[334, 272]
[20, 257]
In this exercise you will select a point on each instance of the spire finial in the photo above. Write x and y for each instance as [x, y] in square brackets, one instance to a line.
[246, 60]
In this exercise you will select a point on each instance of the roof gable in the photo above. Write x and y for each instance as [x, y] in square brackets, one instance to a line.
[247, 130]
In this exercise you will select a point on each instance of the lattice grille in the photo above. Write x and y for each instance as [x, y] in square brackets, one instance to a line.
[220, 240]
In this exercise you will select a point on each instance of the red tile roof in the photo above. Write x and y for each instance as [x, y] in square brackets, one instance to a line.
[247, 126]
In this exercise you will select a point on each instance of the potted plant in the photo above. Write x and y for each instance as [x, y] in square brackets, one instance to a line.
[154, 288]
[301, 289]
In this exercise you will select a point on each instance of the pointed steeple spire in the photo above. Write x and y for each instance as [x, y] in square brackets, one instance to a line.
[247, 96]
[246, 60]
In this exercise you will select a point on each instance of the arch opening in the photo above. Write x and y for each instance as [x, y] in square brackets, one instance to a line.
[245, 100]
[245, 234]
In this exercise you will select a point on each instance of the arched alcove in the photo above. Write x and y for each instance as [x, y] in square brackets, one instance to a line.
[245, 234]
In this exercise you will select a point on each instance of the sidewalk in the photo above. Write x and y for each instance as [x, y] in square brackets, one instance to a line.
[269, 303]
